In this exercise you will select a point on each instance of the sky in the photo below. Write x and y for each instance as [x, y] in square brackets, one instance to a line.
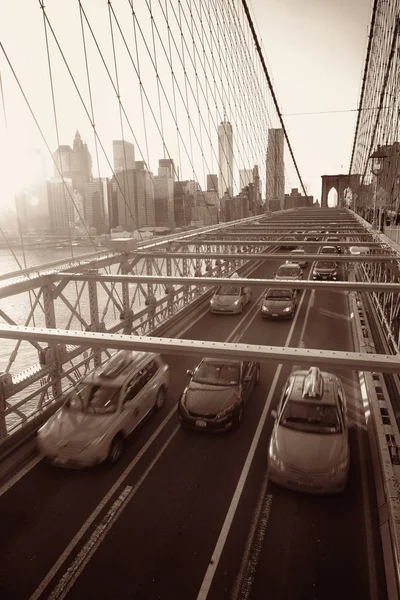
[314, 49]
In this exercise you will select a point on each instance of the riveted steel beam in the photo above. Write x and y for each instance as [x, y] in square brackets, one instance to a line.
[303, 284]
[263, 256]
[383, 363]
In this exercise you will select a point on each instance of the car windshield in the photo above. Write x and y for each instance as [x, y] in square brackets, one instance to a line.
[95, 399]
[325, 264]
[334, 239]
[311, 417]
[287, 271]
[217, 373]
[228, 290]
[278, 294]
[296, 252]
[328, 250]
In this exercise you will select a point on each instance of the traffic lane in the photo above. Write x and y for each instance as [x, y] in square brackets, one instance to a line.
[200, 474]
[56, 501]
[321, 541]
[230, 563]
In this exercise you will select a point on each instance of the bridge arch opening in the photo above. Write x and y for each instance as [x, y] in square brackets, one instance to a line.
[332, 197]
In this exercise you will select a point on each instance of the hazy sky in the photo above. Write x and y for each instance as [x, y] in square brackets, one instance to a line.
[315, 50]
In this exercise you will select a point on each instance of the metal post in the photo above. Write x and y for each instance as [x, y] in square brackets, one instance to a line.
[126, 312]
[52, 354]
[374, 204]
[94, 317]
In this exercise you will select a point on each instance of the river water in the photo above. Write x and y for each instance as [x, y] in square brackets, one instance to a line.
[18, 307]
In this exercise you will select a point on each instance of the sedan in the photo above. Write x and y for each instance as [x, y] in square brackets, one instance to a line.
[217, 394]
[279, 304]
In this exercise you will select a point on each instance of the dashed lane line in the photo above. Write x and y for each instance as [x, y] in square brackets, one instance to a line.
[226, 527]
[93, 543]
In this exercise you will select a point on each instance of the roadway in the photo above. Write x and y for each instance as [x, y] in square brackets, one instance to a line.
[190, 516]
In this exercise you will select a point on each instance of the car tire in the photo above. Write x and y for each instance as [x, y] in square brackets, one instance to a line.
[257, 381]
[161, 396]
[238, 417]
[241, 308]
[116, 449]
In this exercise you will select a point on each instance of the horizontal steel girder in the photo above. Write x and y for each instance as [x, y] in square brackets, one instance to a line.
[263, 256]
[304, 284]
[232, 241]
[380, 363]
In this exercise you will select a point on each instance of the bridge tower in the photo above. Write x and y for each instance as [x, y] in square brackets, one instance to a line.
[340, 183]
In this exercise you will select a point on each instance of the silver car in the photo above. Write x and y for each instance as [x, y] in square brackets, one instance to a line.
[309, 446]
[230, 299]
[103, 409]
[289, 271]
[279, 303]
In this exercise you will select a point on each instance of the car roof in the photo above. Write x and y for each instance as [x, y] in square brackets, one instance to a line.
[324, 385]
[221, 361]
[328, 247]
[297, 251]
[289, 264]
[120, 365]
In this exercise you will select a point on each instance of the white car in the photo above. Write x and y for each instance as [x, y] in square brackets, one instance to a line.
[309, 446]
[289, 271]
[297, 256]
[103, 409]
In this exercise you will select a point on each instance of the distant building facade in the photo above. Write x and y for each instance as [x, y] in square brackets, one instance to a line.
[61, 207]
[275, 168]
[296, 200]
[123, 155]
[225, 159]
[135, 197]
[164, 193]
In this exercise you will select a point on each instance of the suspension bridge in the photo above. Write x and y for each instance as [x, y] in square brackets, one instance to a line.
[103, 252]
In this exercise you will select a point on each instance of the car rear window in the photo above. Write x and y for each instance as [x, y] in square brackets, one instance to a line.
[288, 271]
[217, 374]
[311, 417]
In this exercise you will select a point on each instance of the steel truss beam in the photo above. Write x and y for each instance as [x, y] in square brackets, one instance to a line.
[382, 363]
[224, 242]
[215, 281]
[365, 258]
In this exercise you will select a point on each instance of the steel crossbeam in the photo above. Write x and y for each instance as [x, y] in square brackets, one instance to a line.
[303, 284]
[365, 258]
[325, 358]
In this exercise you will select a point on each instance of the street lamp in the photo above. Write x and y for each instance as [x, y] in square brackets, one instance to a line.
[378, 158]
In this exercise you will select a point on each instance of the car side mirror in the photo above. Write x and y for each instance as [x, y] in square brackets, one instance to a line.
[189, 372]
[274, 414]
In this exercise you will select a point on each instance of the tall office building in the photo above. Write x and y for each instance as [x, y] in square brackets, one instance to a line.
[124, 155]
[275, 169]
[32, 201]
[135, 197]
[61, 207]
[96, 204]
[225, 159]
[164, 193]
[212, 183]
[74, 163]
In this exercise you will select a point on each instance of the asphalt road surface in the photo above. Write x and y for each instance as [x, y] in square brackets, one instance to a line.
[191, 516]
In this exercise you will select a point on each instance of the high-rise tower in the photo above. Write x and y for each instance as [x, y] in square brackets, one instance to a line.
[225, 158]
[275, 169]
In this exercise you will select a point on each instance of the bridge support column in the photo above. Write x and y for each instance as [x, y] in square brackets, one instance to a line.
[170, 289]
[150, 293]
[126, 311]
[52, 353]
[94, 317]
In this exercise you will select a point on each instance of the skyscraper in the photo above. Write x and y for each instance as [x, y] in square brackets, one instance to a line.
[124, 155]
[225, 158]
[96, 204]
[74, 163]
[275, 169]
[61, 206]
[164, 193]
[135, 197]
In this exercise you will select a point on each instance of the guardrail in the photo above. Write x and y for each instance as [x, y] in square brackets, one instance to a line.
[384, 440]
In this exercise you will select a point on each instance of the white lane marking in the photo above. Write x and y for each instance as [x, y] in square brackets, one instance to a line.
[255, 538]
[335, 315]
[371, 559]
[310, 304]
[216, 555]
[13, 480]
[89, 521]
[97, 537]
[58, 564]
